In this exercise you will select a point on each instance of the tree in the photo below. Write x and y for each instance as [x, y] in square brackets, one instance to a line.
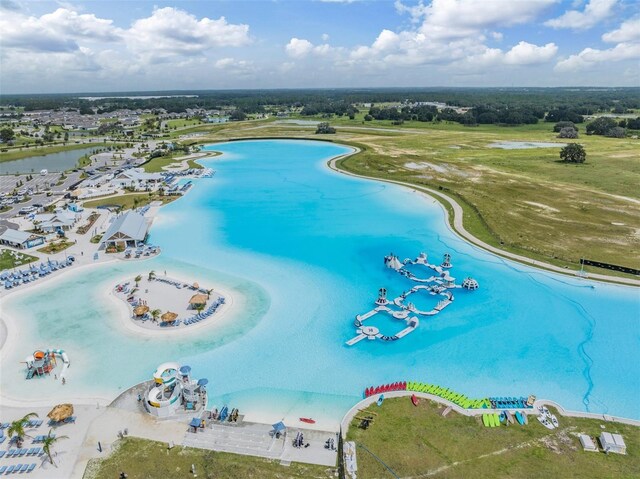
[237, 115]
[616, 132]
[17, 428]
[152, 275]
[155, 314]
[601, 126]
[568, 132]
[137, 279]
[324, 128]
[48, 442]
[573, 153]
[563, 124]
[6, 135]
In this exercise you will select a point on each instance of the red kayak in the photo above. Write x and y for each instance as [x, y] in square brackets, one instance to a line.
[308, 420]
[414, 399]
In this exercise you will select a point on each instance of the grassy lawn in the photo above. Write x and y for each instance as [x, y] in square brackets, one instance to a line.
[56, 246]
[130, 200]
[17, 154]
[418, 441]
[8, 260]
[143, 459]
[182, 123]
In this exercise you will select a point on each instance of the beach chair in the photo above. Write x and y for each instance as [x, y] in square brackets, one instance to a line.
[10, 469]
[2, 453]
[2, 469]
[11, 452]
[2, 439]
[23, 451]
[24, 468]
[32, 466]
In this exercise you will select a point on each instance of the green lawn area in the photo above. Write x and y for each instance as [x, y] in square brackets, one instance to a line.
[56, 246]
[143, 459]
[8, 260]
[419, 442]
[182, 123]
[130, 200]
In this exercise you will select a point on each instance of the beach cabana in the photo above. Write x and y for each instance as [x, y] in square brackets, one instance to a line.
[61, 413]
[198, 300]
[169, 317]
[141, 310]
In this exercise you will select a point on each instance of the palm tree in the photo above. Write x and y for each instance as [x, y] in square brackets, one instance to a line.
[155, 313]
[137, 279]
[50, 441]
[209, 291]
[152, 275]
[17, 428]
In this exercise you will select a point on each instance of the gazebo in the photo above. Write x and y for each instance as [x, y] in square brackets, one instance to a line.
[169, 317]
[198, 300]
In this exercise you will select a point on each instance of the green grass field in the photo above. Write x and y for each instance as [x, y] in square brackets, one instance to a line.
[129, 200]
[8, 260]
[143, 459]
[419, 442]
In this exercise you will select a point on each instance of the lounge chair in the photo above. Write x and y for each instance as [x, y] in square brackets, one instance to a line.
[31, 467]
[24, 468]
[2, 469]
[11, 452]
[23, 451]
[2, 439]
[2, 453]
[10, 469]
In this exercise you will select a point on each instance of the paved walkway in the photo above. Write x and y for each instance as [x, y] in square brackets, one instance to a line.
[458, 228]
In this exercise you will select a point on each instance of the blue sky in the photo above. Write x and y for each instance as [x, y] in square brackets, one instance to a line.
[84, 46]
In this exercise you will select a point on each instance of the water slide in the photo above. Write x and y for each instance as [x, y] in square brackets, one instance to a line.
[165, 376]
[65, 359]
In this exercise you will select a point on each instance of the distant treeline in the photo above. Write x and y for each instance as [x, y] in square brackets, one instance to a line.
[509, 106]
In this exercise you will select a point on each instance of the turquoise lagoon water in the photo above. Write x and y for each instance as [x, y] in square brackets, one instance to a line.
[303, 246]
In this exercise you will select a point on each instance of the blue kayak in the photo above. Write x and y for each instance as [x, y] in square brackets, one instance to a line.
[380, 399]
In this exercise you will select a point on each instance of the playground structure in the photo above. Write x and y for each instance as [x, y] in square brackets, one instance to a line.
[172, 389]
[439, 284]
[42, 362]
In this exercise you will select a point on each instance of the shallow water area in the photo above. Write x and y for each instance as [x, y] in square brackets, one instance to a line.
[304, 246]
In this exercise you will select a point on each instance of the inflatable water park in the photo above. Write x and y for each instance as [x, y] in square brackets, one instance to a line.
[173, 389]
[437, 283]
[43, 361]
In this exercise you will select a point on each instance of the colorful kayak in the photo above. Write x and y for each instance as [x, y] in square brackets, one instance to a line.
[485, 420]
[496, 419]
[380, 399]
[308, 420]
[414, 399]
[519, 418]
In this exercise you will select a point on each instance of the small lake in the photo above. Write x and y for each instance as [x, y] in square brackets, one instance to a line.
[524, 145]
[62, 161]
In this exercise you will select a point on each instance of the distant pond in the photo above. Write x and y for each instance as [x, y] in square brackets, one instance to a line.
[62, 161]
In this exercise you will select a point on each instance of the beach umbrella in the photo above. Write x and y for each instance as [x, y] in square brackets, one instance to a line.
[140, 310]
[185, 369]
[203, 382]
[169, 317]
[279, 426]
[61, 412]
[196, 285]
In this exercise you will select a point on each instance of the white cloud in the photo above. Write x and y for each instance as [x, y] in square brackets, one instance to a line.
[325, 37]
[591, 57]
[528, 54]
[627, 32]
[594, 12]
[58, 31]
[170, 32]
[497, 36]
[298, 47]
